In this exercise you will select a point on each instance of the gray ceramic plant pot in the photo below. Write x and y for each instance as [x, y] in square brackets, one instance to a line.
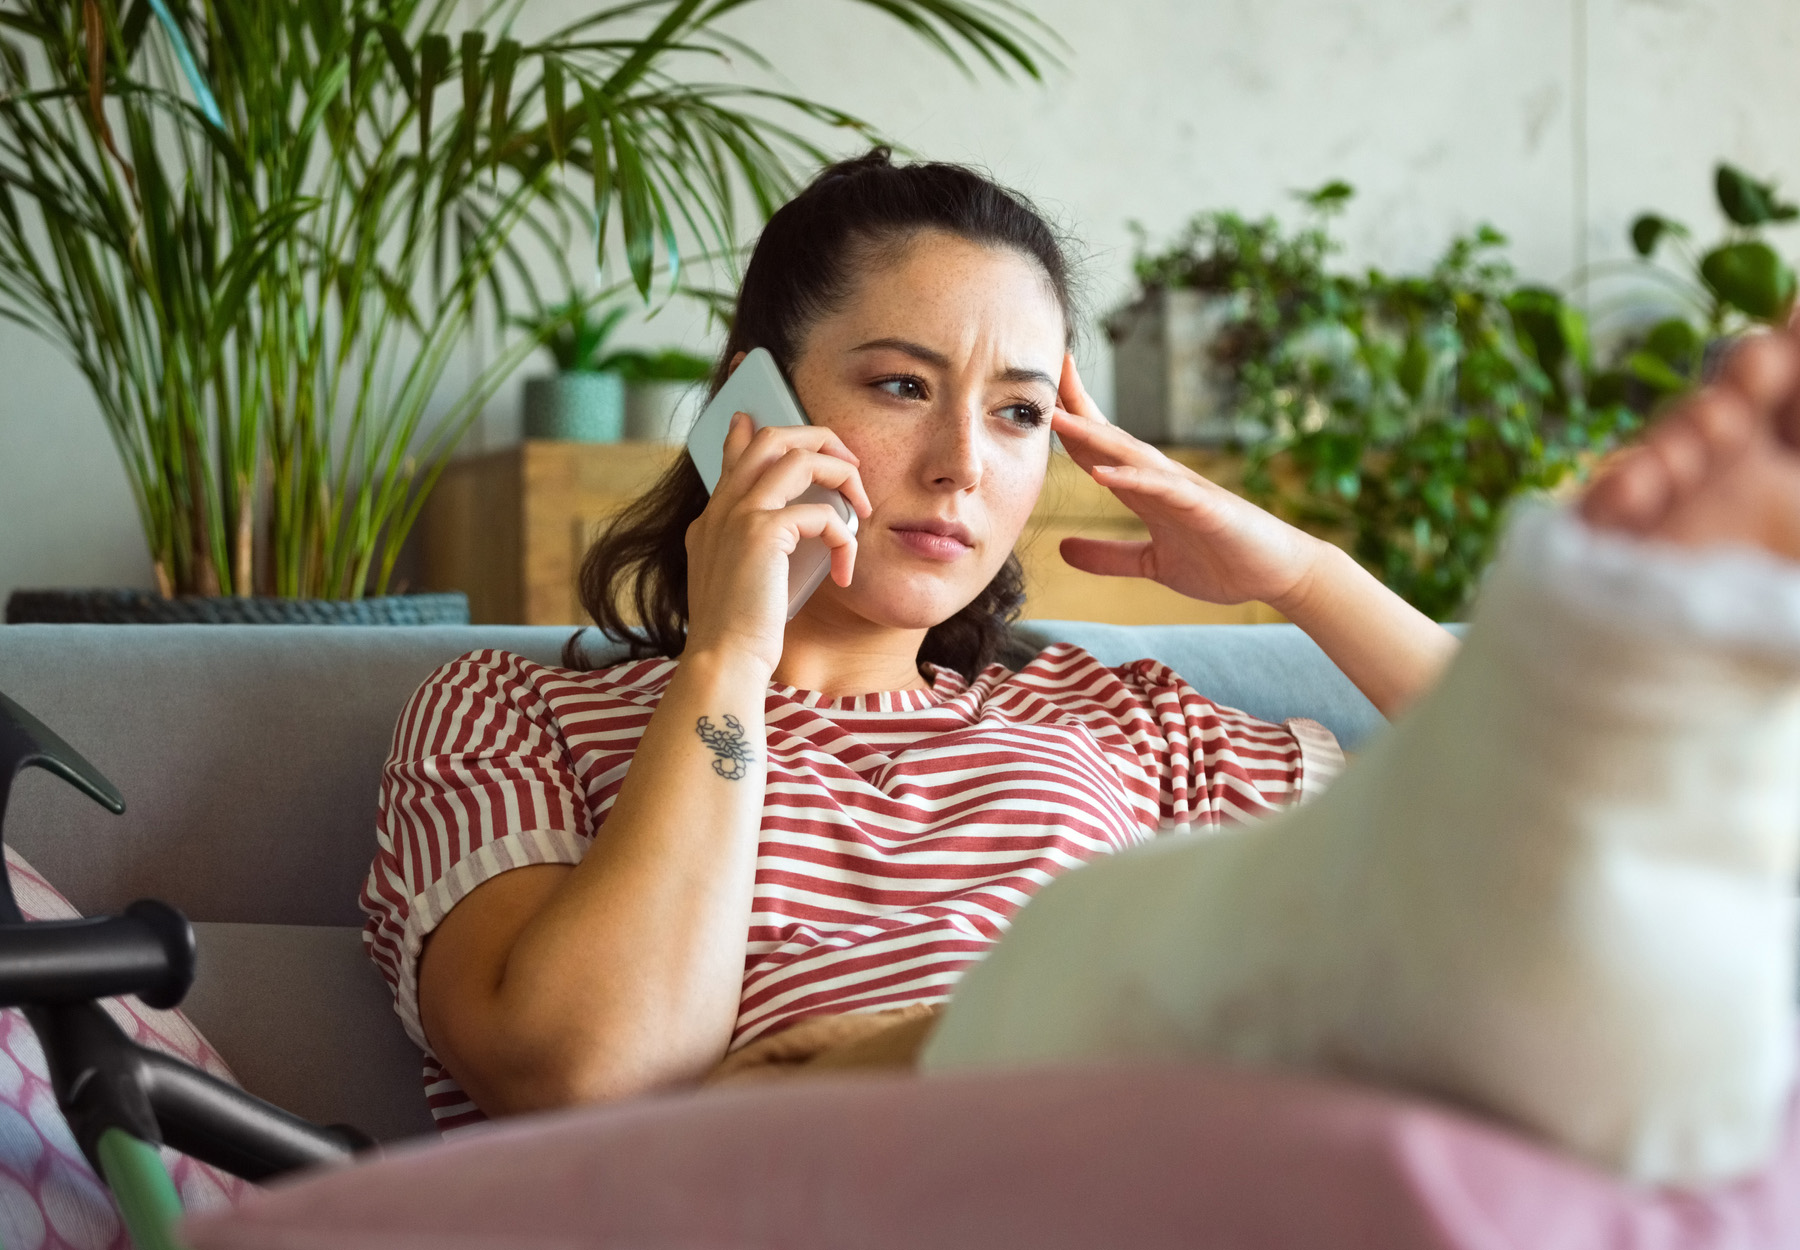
[1168, 384]
[577, 407]
[661, 412]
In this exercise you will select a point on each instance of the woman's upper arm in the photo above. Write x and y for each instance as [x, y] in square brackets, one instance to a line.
[462, 966]
[482, 810]
[1216, 764]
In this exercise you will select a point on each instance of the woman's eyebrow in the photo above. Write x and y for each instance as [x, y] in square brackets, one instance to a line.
[918, 351]
[937, 359]
[1020, 374]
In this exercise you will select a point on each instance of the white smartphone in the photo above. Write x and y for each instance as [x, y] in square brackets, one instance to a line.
[757, 387]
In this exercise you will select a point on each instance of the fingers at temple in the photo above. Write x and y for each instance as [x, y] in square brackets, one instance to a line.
[1147, 481]
[1109, 557]
[1073, 395]
[1092, 441]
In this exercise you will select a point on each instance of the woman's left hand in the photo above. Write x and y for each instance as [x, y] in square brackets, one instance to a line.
[1210, 544]
[1205, 542]
[879, 1039]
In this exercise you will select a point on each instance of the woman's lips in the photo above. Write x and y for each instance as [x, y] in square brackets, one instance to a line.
[931, 545]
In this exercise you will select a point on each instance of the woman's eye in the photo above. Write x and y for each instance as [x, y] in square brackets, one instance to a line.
[1028, 415]
[903, 388]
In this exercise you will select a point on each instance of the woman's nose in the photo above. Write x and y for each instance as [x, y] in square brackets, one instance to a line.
[955, 457]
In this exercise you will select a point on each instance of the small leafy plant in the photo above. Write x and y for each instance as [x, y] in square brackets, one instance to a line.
[1403, 414]
[1738, 283]
[577, 331]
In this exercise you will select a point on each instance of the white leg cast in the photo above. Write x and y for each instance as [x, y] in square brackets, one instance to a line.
[1561, 890]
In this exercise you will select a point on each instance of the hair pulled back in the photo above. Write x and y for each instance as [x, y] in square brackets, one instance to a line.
[855, 214]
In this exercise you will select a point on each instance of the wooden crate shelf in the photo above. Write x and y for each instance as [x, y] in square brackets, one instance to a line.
[509, 527]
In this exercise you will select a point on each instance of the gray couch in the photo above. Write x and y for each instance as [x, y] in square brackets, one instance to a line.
[250, 760]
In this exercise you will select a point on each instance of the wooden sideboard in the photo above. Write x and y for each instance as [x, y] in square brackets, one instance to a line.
[510, 526]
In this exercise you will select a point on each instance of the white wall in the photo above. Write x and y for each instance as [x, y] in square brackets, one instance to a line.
[1556, 120]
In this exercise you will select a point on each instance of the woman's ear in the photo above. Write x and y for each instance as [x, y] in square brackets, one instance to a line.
[735, 362]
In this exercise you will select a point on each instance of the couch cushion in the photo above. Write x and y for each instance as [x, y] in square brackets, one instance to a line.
[1270, 671]
[1075, 1158]
[306, 1022]
[49, 1194]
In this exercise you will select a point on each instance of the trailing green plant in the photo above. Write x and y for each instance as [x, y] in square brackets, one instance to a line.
[1737, 283]
[1402, 414]
[1275, 277]
[263, 230]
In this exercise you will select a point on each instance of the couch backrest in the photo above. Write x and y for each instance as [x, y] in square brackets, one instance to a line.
[1269, 671]
[250, 756]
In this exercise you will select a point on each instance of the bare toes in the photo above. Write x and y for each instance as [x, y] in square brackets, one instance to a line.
[1682, 444]
[1692, 443]
[1723, 420]
[1787, 420]
[1765, 370]
[1632, 494]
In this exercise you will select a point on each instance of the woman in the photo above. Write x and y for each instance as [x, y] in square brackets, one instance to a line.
[783, 838]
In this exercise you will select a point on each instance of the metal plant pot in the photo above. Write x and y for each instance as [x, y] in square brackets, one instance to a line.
[661, 412]
[576, 407]
[1168, 384]
[146, 607]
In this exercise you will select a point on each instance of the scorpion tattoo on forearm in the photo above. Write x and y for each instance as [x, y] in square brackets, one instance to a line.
[735, 755]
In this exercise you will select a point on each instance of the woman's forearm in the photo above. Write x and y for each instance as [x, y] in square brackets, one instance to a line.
[1388, 648]
[627, 976]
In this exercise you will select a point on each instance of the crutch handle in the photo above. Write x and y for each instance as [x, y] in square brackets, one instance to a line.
[148, 951]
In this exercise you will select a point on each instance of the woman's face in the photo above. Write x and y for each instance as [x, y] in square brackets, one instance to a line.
[939, 372]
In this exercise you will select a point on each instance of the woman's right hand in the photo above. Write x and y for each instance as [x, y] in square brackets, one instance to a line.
[738, 548]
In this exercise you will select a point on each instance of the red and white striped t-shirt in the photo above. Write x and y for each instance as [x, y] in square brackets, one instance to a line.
[900, 831]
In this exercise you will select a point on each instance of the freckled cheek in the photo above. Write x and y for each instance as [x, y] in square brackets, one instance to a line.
[881, 455]
[1014, 489]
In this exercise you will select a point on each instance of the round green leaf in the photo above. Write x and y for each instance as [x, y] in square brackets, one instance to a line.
[1750, 277]
[1333, 194]
[1676, 342]
[1650, 229]
[1749, 202]
[1655, 372]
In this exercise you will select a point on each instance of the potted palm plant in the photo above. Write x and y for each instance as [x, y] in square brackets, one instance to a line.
[263, 232]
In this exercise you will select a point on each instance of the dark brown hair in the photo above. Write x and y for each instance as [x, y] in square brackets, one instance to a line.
[634, 578]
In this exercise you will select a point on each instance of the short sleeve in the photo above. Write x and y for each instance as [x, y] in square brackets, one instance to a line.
[480, 780]
[1216, 765]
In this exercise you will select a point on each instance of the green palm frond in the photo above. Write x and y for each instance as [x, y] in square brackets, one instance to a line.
[263, 231]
